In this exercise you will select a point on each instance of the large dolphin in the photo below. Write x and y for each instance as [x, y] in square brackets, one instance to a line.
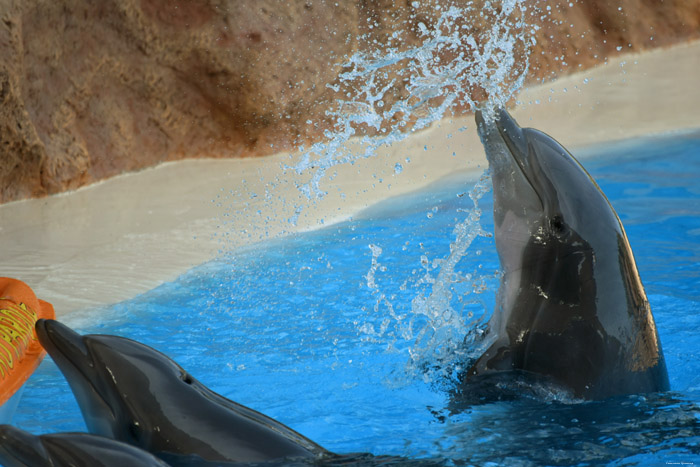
[571, 306]
[132, 393]
[21, 449]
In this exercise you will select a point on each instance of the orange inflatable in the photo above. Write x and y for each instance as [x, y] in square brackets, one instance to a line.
[20, 351]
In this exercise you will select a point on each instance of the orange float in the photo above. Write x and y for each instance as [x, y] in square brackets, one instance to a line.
[20, 350]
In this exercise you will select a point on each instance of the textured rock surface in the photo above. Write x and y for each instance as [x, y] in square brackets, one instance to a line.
[93, 89]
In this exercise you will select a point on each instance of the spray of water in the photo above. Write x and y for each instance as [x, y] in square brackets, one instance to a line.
[457, 66]
[436, 335]
[475, 56]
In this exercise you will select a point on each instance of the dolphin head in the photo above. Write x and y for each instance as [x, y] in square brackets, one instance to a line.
[115, 381]
[571, 304]
[132, 393]
[543, 196]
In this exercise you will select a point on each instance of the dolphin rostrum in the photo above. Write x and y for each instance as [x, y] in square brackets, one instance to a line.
[21, 449]
[132, 393]
[571, 306]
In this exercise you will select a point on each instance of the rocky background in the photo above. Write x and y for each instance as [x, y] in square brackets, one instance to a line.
[92, 89]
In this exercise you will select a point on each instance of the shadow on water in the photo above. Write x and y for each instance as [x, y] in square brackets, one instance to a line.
[654, 428]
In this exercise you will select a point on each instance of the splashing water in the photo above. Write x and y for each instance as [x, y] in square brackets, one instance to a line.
[433, 333]
[475, 56]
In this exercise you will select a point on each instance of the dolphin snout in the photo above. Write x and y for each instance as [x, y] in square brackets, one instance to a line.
[485, 122]
[479, 116]
[511, 133]
[59, 339]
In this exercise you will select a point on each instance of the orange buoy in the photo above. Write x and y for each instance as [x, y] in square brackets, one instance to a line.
[20, 350]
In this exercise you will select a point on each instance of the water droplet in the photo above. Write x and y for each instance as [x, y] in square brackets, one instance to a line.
[398, 168]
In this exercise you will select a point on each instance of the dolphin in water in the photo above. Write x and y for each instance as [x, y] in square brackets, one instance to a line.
[21, 449]
[132, 393]
[571, 306]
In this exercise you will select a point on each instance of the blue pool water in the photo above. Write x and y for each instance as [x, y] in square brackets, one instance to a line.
[342, 334]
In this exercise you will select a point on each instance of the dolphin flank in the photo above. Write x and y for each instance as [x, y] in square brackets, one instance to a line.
[571, 306]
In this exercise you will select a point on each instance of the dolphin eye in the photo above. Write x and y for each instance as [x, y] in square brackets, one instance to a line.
[186, 378]
[557, 224]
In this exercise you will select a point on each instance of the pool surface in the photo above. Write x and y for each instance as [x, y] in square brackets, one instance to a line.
[353, 334]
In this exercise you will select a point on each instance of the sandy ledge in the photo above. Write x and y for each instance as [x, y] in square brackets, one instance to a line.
[116, 239]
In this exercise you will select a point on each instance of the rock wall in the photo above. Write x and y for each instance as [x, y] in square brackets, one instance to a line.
[93, 89]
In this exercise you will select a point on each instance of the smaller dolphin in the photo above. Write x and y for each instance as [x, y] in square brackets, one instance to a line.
[571, 307]
[21, 449]
[132, 393]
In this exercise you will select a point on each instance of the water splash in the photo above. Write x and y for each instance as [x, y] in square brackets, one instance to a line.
[438, 350]
[472, 56]
[437, 336]
[475, 56]
[376, 252]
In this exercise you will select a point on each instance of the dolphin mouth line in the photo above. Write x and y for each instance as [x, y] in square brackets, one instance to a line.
[42, 325]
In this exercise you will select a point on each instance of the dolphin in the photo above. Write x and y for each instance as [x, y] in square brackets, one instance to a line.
[571, 307]
[19, 448]
[132, 393]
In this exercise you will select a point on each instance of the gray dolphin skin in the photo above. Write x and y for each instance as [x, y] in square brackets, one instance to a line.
[571, 306]
[132, 393]
[19, 448]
